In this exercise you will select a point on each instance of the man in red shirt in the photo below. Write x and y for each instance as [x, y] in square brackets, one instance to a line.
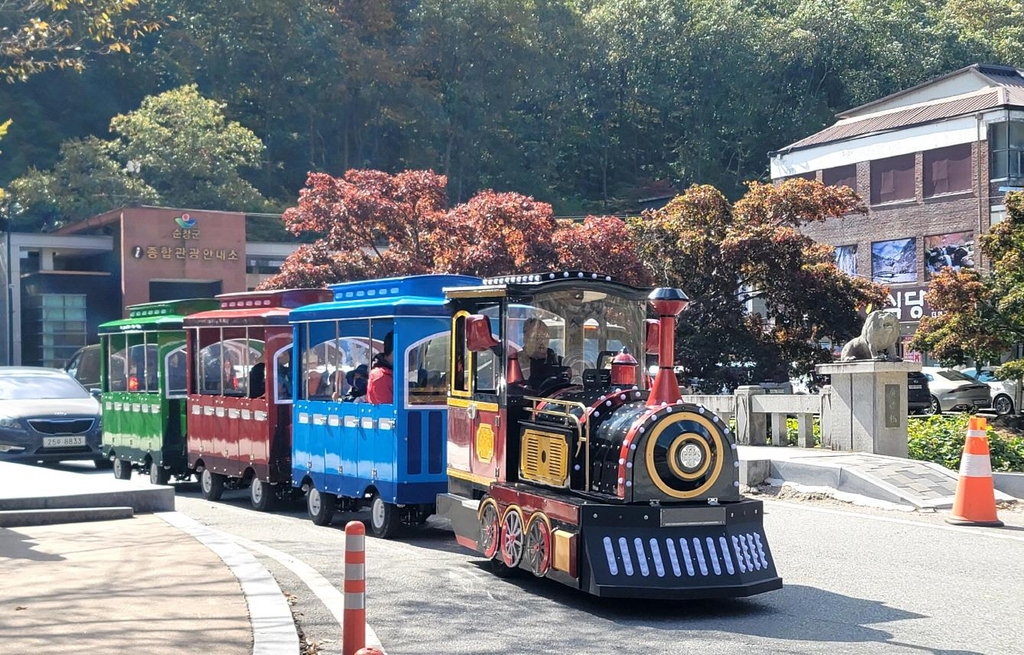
[380, 390]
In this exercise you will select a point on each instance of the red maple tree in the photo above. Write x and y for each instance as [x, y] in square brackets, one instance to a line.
[372, 224]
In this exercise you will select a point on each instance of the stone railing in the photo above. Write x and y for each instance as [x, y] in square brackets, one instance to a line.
[754, 410]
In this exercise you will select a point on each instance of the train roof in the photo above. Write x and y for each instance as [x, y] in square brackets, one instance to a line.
[163, 315]
[414, 295]
[258, 307]
[528, 284]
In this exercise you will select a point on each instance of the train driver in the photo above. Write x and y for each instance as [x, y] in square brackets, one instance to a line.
[537, 361]
[380, 389]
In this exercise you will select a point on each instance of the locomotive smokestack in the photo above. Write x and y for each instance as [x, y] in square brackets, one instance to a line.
[668, 303]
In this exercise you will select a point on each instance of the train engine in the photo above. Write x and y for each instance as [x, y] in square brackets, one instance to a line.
[568, 461]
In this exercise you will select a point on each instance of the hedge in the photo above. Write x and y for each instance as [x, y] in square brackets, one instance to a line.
[940, 439]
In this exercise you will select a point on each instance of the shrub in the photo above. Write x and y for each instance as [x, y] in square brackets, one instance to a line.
[792, 434]
[940, 439]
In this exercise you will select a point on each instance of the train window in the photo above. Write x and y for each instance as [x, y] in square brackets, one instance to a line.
[426, 366]
[321, 360]
[117, 367]
[283, 375]
[176, 371]
[225, 366]
[461, 355]
[142, 368]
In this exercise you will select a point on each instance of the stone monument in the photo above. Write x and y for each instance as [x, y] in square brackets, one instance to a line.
[864, 409]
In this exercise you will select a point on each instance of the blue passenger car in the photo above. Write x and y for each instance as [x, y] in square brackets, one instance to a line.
[347, 452]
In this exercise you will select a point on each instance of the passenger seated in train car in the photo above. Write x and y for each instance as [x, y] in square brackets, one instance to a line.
[230, 377]
[257, 379]
[357, 380]
[380, 388]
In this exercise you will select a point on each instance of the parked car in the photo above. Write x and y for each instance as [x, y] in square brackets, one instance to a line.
[919, 395]
[47, 416]
[1004, 392]
[84, 366]
[952, 390]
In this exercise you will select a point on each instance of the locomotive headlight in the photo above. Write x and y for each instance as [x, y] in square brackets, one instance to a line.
[690, 456]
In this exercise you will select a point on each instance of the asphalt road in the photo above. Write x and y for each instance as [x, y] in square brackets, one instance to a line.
[856, 581]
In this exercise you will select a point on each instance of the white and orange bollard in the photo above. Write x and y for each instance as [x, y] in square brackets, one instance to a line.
[975, 501]
[354, 631]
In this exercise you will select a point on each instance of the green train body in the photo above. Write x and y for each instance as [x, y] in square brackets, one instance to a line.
[144, 374]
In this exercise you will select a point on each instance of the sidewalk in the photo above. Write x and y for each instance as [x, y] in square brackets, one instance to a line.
[161, 584]
[137, 584]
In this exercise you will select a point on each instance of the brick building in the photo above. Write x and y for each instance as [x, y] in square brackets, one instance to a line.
[932, 163]
[62, 285]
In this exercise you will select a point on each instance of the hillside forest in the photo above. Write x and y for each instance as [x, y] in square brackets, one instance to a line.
[588, 105]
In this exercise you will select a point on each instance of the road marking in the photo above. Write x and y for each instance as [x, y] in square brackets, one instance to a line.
[328, 594]
[273, 627]
[995, 533]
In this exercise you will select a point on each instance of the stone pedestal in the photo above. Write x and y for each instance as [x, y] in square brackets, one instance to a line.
[865, 410]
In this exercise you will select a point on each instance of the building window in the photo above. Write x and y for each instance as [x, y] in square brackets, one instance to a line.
[997, 214]
[56, 328]
[1006, 147]
[892, 179]
[947, 170]
[840, 176]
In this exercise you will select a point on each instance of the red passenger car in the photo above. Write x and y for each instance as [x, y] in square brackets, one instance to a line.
[239, 392]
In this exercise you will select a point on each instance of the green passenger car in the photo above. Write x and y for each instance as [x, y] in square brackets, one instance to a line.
[144, 383]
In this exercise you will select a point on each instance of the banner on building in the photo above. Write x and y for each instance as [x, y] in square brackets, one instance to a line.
[954, 250]
[895, 261]
[846, 259]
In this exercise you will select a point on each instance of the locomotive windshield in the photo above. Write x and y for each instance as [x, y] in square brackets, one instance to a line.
[585, 328]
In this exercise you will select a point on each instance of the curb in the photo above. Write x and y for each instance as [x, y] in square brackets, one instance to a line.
[273, 627]
[17, 518]
[141, 500]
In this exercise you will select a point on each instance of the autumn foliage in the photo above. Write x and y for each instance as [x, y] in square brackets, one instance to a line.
[372, 224]
[732, 258]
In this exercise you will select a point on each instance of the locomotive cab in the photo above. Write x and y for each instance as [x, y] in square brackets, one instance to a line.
[564, 459]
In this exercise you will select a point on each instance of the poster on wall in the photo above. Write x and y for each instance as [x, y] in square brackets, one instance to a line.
[893, 262]
[846, 259]
[954, 250]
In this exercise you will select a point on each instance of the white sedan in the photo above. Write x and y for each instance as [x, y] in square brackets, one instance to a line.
[1004, 392]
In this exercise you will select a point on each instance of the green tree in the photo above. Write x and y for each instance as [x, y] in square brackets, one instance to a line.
[189, 152]
[727, 256]
[37, 35]
[87, 180]
[982, 315]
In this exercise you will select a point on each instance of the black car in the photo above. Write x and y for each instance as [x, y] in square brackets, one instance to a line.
[46, 416]
[84, 366]
[919, 397]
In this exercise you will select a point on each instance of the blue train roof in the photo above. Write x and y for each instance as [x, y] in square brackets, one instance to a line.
[415, 295]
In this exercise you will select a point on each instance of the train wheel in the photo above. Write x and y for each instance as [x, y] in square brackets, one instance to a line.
[261, 495]
[384, 519]
[490, 528]
[122, 469]
[512, 537]
[212, 484]
[321, 506]
[158, 474]
[537, 553]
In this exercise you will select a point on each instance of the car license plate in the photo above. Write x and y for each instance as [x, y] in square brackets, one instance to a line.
[915, 386]
[62, 442]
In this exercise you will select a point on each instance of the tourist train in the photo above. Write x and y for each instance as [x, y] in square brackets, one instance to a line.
[518, 411]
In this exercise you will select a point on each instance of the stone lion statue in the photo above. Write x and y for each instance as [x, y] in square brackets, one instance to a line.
[877, 339]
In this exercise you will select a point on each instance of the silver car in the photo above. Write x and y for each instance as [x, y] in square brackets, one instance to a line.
[1004, 392]
[46, 416]
[952, 390]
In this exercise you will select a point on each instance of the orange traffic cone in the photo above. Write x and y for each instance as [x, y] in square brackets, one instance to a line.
[975, 502]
